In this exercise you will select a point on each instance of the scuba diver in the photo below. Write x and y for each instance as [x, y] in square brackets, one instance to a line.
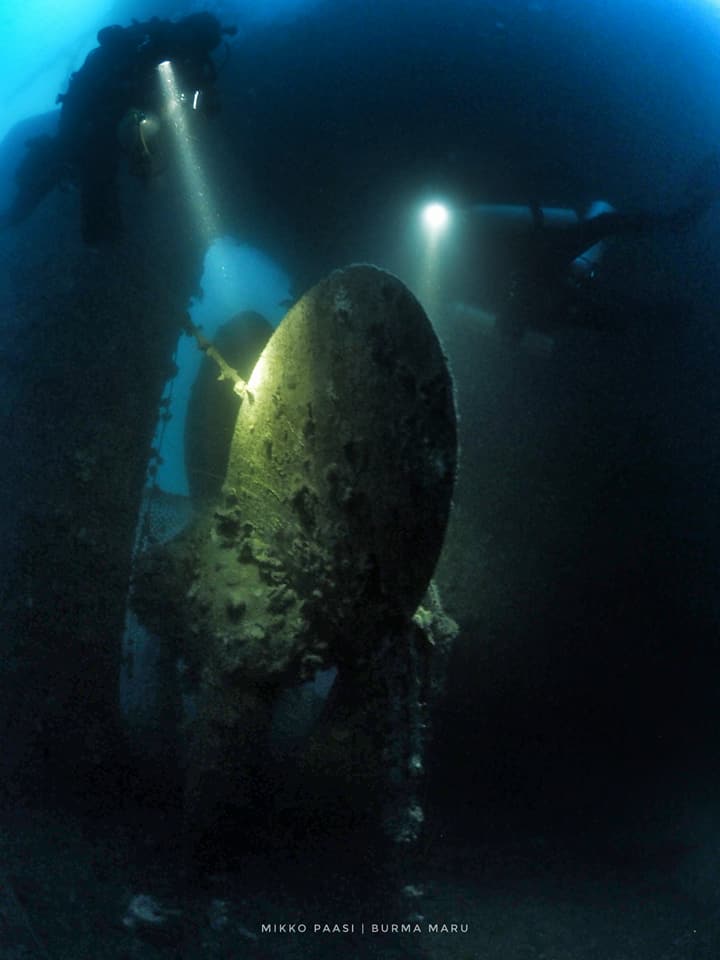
[548, 258]
[109, 105]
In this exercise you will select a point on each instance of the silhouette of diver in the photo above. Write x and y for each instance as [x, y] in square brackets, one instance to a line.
[550, 265]
[117, 81]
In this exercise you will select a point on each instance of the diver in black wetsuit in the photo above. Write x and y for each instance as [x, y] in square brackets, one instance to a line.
[548, 267]
[117, 80]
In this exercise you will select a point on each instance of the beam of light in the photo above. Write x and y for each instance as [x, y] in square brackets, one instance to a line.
[197, 188]
[434, 222]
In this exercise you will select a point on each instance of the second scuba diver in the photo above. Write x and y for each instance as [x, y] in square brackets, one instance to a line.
[108, 106]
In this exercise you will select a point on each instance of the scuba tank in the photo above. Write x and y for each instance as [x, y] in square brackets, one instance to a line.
[522, 219]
